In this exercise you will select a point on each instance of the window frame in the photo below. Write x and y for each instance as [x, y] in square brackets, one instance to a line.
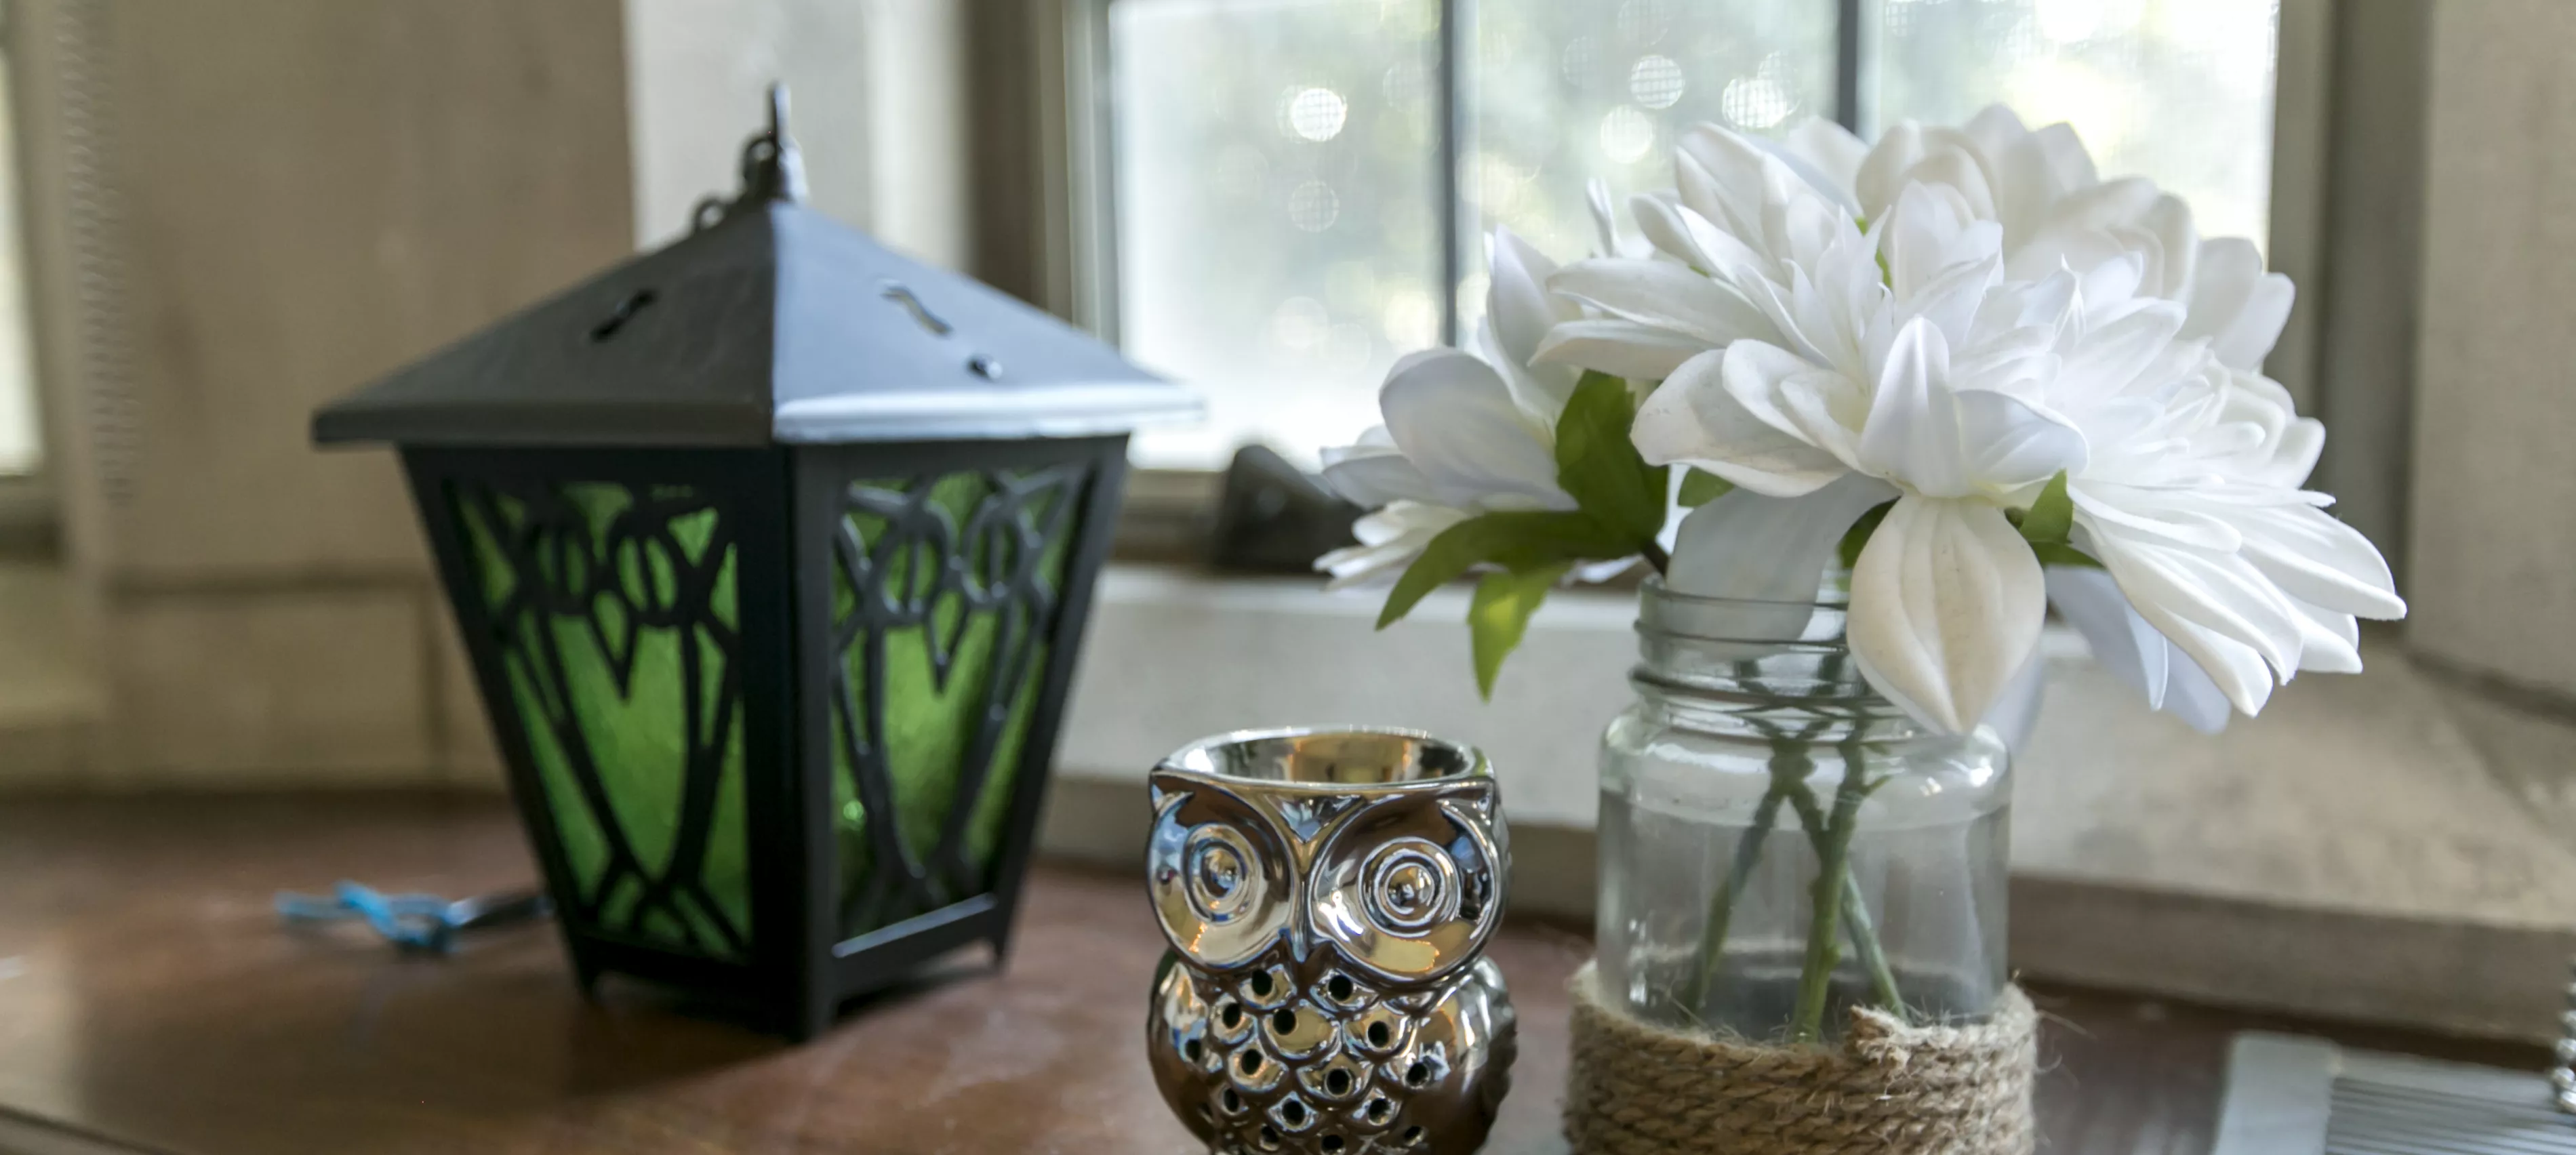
[1078, 156]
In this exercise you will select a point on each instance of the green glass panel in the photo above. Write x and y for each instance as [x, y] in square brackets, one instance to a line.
[930, 727]
[603, 632]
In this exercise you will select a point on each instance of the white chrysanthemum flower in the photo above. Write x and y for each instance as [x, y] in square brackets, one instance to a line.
[2006, 315]
[1893, 369]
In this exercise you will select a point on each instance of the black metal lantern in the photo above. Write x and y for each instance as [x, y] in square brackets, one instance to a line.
[772, 551]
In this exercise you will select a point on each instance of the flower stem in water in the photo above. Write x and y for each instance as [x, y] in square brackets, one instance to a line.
[1789, 768]
[1856, 920]
[1833, 878]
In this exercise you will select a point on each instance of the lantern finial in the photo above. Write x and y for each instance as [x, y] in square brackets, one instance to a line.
[772, 169]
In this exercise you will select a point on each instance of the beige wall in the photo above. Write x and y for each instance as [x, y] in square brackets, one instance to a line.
[291, 197]
[2493, 527]
[242, 210]
[696, 74]
[879, 87]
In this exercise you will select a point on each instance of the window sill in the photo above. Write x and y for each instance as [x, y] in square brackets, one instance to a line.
[2378, 847]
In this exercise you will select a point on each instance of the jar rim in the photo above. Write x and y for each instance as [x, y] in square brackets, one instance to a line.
[1828, 581]
[1809, 625]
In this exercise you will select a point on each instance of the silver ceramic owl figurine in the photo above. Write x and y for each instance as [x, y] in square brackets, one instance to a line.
[1328, 895]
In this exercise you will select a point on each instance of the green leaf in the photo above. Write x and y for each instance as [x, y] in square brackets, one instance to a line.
[1858, 535]
[2052, 517]
[1600, 467]
[1515, 540]
[2060, 553]
[1500, 614]
[1699, 488]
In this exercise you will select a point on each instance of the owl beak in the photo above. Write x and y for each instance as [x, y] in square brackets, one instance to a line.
[1301, 933]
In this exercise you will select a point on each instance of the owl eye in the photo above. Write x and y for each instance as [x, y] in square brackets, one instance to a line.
[1409, 886]
[1216, 868]
[1219, 877]
[1406, 890]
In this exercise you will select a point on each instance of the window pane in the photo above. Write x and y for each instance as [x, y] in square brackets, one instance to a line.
[1564, 92]
[21, 446]
[2179, 91]
[1277, 243]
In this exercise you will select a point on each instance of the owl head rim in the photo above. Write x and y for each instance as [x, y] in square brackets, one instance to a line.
[1448, 763]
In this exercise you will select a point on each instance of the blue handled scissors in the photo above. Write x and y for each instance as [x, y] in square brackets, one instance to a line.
[413, 922]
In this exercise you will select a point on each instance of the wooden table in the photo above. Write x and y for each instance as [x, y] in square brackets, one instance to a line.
[150, 998]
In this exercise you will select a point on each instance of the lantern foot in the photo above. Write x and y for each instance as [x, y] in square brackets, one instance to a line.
[807, 1018]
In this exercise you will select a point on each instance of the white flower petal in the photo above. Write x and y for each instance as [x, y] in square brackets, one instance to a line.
[2329, 642]
[1946, 604]
[1457, 421]
[2237, 306]
[2031, 174]
[1912, 434]
[2235, 670]
[1962, 174]
[2217, 592]
[1540, 389]
[1816, 178]
[2016, 711]
[1374, 475]
[1676, 231]
[2193, 696]
[2177, 247]
[2147, 515]
[1389, 541]
[2010, 445]
[2112, 357]
[2122, 641]
[1605, 224]
[1724, 178]
[1750, 547]
[1932, 230]
[1831, 150]
[1518, 305]
[1664, 295]
[2100, 206]
[1943, 442]
[1758, 376]
[1619, 348]
[1881, 175]
[2139, 655]
[2316, 558]
[1695, 417]
[1994, 128]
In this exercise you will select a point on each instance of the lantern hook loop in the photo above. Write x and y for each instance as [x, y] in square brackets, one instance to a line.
[772, 169]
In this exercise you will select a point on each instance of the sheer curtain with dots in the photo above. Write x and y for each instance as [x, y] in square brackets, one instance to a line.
[1275, 162]
[1277, 224]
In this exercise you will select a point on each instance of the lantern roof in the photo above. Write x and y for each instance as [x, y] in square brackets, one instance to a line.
[768, 323]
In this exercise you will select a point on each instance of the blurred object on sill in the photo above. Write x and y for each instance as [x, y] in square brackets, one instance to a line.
[1275, 518]
[2294, 1093]
[1168, 516]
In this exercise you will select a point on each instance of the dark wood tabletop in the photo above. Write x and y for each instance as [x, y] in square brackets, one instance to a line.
[149, 996]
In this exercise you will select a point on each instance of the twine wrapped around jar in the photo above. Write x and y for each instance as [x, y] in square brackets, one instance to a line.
[1886, 1088]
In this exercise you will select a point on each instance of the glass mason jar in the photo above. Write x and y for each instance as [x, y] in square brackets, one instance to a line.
[1780, 844]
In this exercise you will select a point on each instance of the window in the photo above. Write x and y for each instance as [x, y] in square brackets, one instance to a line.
[21, 444]
[1281, 232]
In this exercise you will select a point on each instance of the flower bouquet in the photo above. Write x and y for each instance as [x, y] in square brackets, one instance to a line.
[1867, 411]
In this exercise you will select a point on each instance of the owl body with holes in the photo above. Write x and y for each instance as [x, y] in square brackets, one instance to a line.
[1328, 896]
